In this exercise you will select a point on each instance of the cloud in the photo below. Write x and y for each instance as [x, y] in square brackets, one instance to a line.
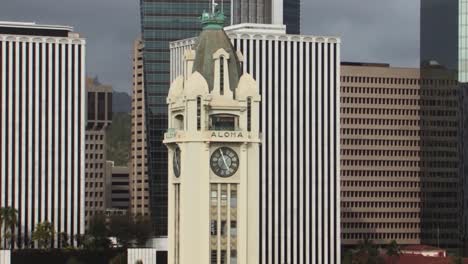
[371, 30]
[109, 26]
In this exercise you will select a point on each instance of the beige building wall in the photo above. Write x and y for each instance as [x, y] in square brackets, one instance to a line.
[139, 184]
[399, 156]
[213, 141]
[380, 154]
[99, 118]
[117, 184]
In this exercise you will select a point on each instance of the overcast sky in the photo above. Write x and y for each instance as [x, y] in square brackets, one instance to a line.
[371, 30]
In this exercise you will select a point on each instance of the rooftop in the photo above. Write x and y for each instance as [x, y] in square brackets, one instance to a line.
[421, 248]
[365, 64]
[33, 29]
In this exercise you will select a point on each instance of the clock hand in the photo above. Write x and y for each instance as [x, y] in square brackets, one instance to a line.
[224, 159]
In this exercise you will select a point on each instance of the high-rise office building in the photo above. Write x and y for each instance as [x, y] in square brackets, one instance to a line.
[161, 23]
[42, 131]
[292, 16]
[380, 154]
[99, 118]
[117, 188]
[444, 45]
[139, 182]
[400, 155]
[253, 11]
[298, 78]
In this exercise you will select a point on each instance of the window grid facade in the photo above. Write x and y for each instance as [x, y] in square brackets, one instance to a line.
[399, 156]
[161, 23]
[139, 182]
[99, 118]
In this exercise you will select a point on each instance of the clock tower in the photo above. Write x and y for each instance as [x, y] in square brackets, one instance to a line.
[213, 141]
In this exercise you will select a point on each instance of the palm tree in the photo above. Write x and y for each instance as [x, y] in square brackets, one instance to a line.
[393, 251]
[367, 253]
[8, 221]
[43, 234]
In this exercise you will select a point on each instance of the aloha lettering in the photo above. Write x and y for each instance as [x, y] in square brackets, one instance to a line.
[226, 134]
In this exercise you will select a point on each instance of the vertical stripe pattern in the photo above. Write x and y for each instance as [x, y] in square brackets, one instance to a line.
[42, 101]
[298, 77]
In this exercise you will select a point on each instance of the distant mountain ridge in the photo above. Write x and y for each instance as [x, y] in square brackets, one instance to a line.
[119, 139]
[119, 133]
[121, 102]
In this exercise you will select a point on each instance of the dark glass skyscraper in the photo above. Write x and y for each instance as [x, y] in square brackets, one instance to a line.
[164, 21]
[262, 12]
[292, 16]
[443, 52]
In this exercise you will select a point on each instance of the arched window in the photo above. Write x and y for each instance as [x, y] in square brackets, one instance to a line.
[198, 113]
[179, 122]
[224, 122]
[249, 114]
[221, 75]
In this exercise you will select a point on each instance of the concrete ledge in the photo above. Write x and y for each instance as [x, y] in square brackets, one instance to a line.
[5, 257]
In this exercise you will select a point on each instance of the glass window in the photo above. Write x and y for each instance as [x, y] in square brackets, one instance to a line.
[223, 122]
[223, 228]
[223, 257]
[214, 197]
[233, 257]
[233, 198]
[214, 227]
[233, 228]
[221, 75]
[249, 114]
[214, 257]
[198, 113]
[224, 196]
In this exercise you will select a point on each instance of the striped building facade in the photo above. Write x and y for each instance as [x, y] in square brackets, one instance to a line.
[42, 120]
[299, 79]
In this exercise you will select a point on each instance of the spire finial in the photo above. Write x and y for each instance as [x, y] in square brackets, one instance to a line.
[213, 20]
[213, 6]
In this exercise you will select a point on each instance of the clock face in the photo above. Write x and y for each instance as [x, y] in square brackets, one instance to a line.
[224, 162]
[176, 162]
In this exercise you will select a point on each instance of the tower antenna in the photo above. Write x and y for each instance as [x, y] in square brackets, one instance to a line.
[213, 6]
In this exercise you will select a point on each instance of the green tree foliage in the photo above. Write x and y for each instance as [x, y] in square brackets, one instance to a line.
[393, 252]
[121, 228]
[347, 257]
[367, 253]
[119, 259]
[64, 239]
[96, 237]
[118, 139]
[130, 231]
[73, 260]
[43, 234]
[141, 229]
[8, 222]
[457, 260]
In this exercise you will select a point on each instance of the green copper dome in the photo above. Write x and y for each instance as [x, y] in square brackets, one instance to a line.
[213, 21]
[211, 39]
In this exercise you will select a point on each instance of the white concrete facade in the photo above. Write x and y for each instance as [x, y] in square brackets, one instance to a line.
[5, 256]
[214, 210]
[299, 80]
[42, 120]
[145, 255]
